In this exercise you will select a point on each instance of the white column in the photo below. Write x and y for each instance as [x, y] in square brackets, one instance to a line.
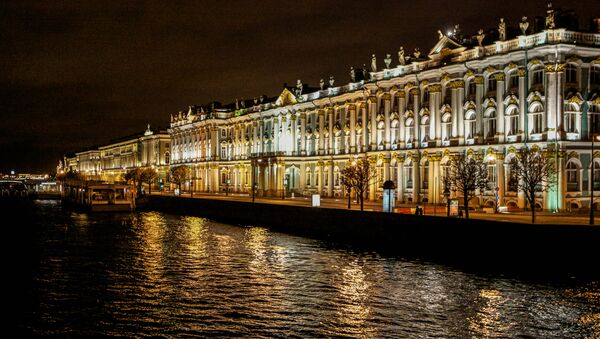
[303, 134]
[500, 106]
[352, 118]
[386, 111]
[373, 114]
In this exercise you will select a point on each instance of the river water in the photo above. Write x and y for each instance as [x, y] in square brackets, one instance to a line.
[154, 274]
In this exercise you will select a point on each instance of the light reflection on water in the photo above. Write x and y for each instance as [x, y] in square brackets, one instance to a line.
[158, 274]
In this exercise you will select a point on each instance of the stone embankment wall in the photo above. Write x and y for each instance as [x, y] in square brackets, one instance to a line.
[429, 237]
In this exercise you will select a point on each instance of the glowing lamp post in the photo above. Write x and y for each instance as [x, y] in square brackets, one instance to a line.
[594, 136]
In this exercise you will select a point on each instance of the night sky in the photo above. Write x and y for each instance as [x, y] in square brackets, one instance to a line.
[76, 74]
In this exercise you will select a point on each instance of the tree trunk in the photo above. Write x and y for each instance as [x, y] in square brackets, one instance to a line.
[466, 198]
[532, 212]
[361, 200]
[349, 197]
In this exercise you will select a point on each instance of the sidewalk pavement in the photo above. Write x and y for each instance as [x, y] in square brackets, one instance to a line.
[439, 210]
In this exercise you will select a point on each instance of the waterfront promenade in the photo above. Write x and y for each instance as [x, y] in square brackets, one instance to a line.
[563, 218]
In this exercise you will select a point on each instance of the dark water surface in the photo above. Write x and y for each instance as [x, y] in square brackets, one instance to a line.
[154, 274]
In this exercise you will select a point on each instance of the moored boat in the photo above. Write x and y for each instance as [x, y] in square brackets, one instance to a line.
[99, 196]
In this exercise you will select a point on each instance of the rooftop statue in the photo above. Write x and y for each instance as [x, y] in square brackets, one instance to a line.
[417, 53]
[387, 60]
[321, 84]
[502, 30]
[523, 25]
[331, 81]
[373, 63]
[550, 24]
[352, 74]
[440, 34]
[480, 37]
[298, 88]
[364, 69]
[401, 59]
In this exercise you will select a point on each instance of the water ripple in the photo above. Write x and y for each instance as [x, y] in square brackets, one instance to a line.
[153, 274]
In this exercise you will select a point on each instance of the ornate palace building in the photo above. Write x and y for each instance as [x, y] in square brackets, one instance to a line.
[110, 162]
[486, 95]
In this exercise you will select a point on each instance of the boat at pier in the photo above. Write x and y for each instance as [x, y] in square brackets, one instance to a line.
[99, 196]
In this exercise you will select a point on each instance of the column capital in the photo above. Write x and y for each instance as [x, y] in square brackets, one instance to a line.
[435, 88]
[457, 84]
[478, 79]
[499, 76]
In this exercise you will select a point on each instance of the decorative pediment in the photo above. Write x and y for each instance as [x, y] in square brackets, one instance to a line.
[446, 45]
[534, 96]
[286, 98]
[575, 99]
[489, 102]
[511, 100]
[469, 105]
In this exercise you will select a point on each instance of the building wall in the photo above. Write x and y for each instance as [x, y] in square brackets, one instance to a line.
[489, 101]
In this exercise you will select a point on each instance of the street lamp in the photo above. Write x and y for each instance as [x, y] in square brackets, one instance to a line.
[594, 136]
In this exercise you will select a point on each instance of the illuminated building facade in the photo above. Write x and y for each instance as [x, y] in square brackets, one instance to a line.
[110, 162]
[486, 95]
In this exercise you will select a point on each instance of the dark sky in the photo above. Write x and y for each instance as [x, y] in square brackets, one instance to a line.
[74, 74]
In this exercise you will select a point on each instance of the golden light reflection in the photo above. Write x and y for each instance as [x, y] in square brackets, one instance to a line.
[152, 232]
[195, 237]
[486, 321]
[591, 320]
[354, 290]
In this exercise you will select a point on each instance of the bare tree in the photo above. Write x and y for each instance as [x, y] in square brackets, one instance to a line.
[179, 174]
[467, 175]
[360, 176]
[148, 175]
[348, 178]
[134, 176]
[534, 172]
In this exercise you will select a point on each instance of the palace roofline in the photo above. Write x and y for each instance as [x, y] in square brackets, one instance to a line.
[451, 49]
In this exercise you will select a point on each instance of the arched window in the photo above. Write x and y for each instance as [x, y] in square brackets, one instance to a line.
[513, 81]
[336, 177]
[513, 121]
[491, 167]
[491, 83]
[446, 126]
[380, 130]
[308, 177]
[409, 130]
[394, 132]
[596, 175]
[425, 128]
[595, 75]
[594, 118]
[571, 74]
[571, 118]
[408, 174]
[537, 119]
[471, 124]
[167, 158]
[490, 117]
[572, 177]
[537, 76]
[472, 88]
